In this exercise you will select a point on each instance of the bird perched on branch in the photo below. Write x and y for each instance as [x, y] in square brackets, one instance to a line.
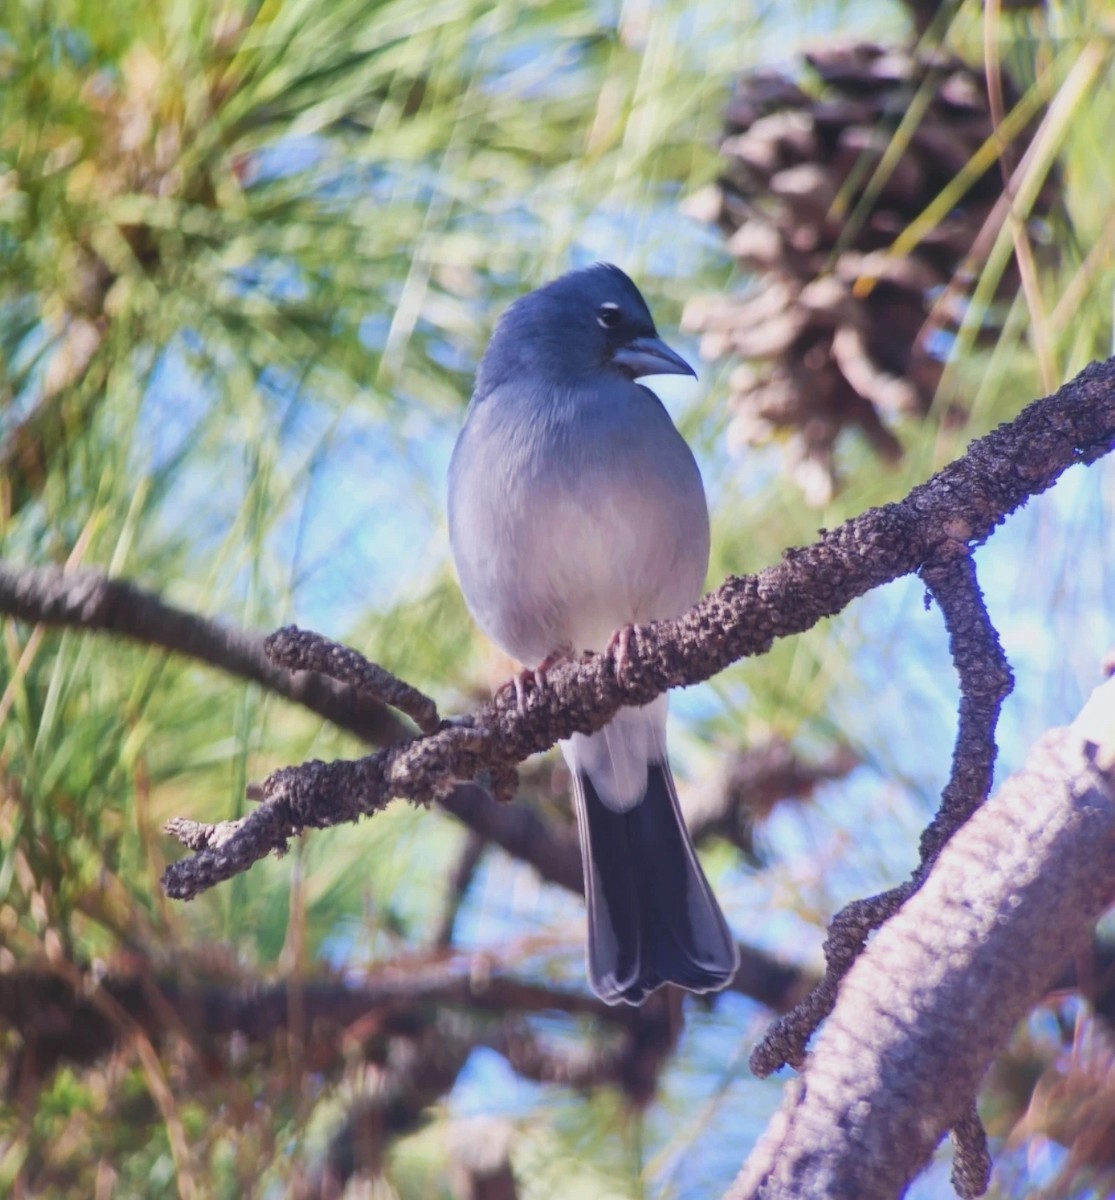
[576, 510]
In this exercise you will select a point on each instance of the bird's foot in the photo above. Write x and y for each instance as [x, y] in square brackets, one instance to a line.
[619, 646]
[524, 679]
[534, 677]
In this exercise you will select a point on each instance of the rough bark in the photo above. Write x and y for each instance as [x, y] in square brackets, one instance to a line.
[938, 991]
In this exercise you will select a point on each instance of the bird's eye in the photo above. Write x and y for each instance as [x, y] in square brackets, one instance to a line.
[608, 316]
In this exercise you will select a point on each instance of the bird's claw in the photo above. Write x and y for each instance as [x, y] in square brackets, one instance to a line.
[532, 677]
[619, 646]
[524, 677]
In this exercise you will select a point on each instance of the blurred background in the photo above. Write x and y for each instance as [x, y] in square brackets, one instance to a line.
[249, 256]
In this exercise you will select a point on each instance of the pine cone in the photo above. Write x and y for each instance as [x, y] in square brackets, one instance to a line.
[838, 330]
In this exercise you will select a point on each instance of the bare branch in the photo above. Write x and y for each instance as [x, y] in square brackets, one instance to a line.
[554, 853]
[88, 599]
[985, 680]
[778, 984]
[61, 1012]
[971, 1168]
[581, 1066]
[943, 984]
[653, 1031]
[962, 503]
[299, 650]
[785, 1041]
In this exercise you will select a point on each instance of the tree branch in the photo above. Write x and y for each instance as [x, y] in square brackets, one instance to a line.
[298, 650]
[985, 681]
[89, 599]
[632, 1063]
[943, 984]
[60, 1019]
[963, 504]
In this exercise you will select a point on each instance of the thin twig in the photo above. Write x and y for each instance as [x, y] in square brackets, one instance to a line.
[971, 1168]
[300, 650]
[985, 680]
[785, 1040]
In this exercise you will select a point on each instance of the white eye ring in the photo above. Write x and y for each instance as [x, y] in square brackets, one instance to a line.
[609, 315]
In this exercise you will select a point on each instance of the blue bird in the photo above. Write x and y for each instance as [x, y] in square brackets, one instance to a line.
[576, 509]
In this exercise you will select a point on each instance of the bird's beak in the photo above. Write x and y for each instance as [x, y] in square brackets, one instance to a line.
[650, 356]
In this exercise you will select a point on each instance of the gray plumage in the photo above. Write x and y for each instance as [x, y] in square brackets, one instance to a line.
[575, 508]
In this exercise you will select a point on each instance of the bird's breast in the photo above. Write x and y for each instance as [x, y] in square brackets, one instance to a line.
[575, 522]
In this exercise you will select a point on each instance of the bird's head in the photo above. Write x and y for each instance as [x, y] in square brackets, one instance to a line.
[584, 323]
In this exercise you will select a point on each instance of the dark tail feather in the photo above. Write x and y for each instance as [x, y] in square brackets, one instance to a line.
[652, 917]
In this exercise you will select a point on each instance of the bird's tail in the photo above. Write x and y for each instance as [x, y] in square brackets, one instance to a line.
[652, 917]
